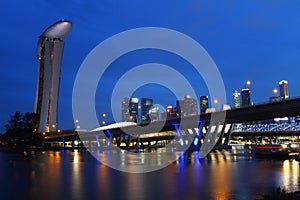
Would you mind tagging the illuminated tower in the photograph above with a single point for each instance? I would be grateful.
(283, 89)
(146, 106)
(186, 107)
(49, 54)
(203, 103)
(125, 110)
(134, 109)
(246, 97)
(236, 98)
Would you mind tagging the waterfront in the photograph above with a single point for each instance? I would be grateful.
(77, 175)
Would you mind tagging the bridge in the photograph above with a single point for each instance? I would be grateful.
(211, 128)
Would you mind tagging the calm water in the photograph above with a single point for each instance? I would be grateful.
(77, 175)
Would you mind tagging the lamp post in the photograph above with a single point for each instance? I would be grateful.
(275, 91)
(103, 122)
(77, 126)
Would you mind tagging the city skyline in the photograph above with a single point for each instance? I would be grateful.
(254, 41)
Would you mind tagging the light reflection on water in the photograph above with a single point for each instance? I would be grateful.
(77, 175)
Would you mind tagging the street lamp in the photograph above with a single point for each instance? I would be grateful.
(275, 91)
(216, 101)
(248, 82)
(77, 124)
(103, 119)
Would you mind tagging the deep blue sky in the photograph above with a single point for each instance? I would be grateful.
(256, 40)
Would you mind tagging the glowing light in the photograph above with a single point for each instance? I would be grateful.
(104, 115)
(293, 145)
(275, 91)
(196, 141)
(78, 127)
(248, 82)
(76, 121)
(58, 130)
(216, 101)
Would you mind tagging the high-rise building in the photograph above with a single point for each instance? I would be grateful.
(49, 54)
(146, 106)
(236, 98)
(283, 89)
(203, 103)
(133, 109)
(246, 101)
(125, 110)
(154, 113)
(188, 106)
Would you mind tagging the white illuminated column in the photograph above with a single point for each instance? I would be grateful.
(49, 54)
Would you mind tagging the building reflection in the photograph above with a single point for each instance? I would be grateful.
(77, 176)
(221, 177)
(290, 174)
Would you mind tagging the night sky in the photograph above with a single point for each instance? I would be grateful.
(255, 40)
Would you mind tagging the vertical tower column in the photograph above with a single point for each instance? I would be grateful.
(49, 53)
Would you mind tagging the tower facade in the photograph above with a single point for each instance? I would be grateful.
(49, 54)
(203, 103)
(236, 98)
(146, 106)
(125, 110)
(133, 109)
(186, 107)
(246, 101)
(283, 89)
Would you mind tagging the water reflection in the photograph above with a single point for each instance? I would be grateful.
(77, 175)
(290, 174)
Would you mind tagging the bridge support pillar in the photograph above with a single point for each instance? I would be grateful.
(110, 137)
(227, 139)
(181, 141)
(220, 140)
(199, 134)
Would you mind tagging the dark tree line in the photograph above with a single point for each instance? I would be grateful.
(21, 130)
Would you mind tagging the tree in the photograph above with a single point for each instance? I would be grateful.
(15, 123)
(21, 130)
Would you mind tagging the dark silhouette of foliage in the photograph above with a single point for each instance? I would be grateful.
(21, 130)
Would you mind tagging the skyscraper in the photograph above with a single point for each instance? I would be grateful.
(133, 109)
(246, 97)
(49, 54)
(283, 89)
(203, 103)
(154, 113)
(146, 106)
(125, 110)
(236, 98)
(188, 106)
